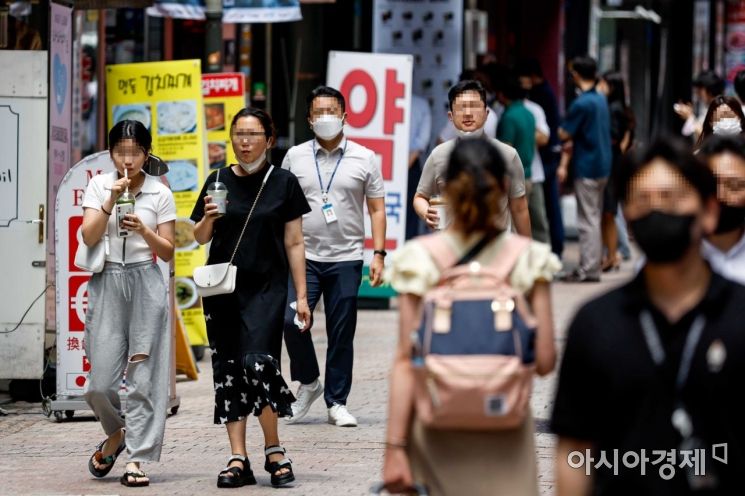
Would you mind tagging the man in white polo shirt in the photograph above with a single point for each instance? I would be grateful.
(468, 112)
(338, 177)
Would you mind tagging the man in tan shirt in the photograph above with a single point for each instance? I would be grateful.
(468, 112)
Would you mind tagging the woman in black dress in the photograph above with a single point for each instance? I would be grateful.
(245, 327)
(622, 126)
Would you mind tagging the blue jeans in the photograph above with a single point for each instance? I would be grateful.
(553, 207)
(339, 284)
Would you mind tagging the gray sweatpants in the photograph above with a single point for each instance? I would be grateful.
(127, 316)
(589, 194)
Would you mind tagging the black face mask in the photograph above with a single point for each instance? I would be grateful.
(664, 238)
(730, 218)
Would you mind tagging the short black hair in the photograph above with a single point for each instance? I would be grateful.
(326, 91)
(130, 129)
(463, 86)
(585, 66)
(710, 81)
(716, 145)
(739, 84)
(266, 120)
(512, 89)
(678, 156)
(528, 67)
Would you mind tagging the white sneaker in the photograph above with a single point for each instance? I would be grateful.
(306, 395)
(340, 416)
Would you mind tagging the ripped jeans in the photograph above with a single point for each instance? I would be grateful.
(126, 327)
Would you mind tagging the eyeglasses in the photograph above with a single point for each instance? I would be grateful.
(252, 136)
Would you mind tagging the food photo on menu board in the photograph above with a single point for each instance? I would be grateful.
(217, 154)
(179, 117)
(133, 112)
(183, 175)
(215, 116)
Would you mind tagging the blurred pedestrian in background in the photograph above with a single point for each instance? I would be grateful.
(587, 127)
(419, 136)
(724, 117)
(461, 461)
(725, 247)
(622, 125)
(539, 91)
(707, 86)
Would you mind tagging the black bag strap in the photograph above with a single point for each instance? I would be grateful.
(477, 248)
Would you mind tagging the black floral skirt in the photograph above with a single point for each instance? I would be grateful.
(248, 386)
(245, 334)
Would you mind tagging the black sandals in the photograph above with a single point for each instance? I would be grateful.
(104, 460)
(235, 476)
(139, 474)
(274, 467)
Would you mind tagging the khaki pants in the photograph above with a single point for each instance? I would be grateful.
(589, 194)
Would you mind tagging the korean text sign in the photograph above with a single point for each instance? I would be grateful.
(224, 97)
(377, 89)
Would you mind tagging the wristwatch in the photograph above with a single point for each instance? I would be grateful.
(382, 253)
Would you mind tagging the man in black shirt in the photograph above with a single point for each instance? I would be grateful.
(647, 401)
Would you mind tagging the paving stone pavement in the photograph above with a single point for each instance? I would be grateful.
(42, 457)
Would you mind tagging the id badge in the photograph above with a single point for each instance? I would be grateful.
(328, 213)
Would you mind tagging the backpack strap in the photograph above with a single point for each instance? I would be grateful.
(508, 255)
(440, 250)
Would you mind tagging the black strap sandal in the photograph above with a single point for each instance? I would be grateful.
(274, 467)
(104, 460)
(139, 474)
(235, 476)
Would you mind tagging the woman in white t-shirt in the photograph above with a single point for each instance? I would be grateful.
(126, 319)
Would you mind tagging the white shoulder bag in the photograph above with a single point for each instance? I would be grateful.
(220, 278)
(92, 259)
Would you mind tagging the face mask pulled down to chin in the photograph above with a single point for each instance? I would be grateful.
(663, 237)
(476, 133)
(327, 127)
(251, 167)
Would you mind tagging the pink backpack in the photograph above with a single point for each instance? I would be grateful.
(474, 352)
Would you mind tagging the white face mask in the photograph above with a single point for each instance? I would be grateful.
(470, 134)
(251, 167)
(327, 126)
(727, 126)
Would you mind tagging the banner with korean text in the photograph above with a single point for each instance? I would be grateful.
(167, 98)
(377, 88)
(224, 96)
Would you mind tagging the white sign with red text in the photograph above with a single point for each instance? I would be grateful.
(377, 88)
(71, 282)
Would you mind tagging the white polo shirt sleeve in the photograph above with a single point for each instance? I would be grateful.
(374, 181)
(166, 207)
(95, 194)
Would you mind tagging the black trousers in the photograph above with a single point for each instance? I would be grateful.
(413, 222)
(338, 283)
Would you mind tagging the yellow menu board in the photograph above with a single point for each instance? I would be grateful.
(224, 97)
(167, 98)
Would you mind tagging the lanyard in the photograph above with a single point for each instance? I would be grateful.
(325, 194)
(680, 419)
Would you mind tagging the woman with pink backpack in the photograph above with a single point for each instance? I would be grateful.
(475, 326)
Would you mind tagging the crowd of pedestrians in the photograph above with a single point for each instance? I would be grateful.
(648, 367)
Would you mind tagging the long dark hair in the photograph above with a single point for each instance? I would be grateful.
(708, 128)
(616, 87)
(475, 184)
